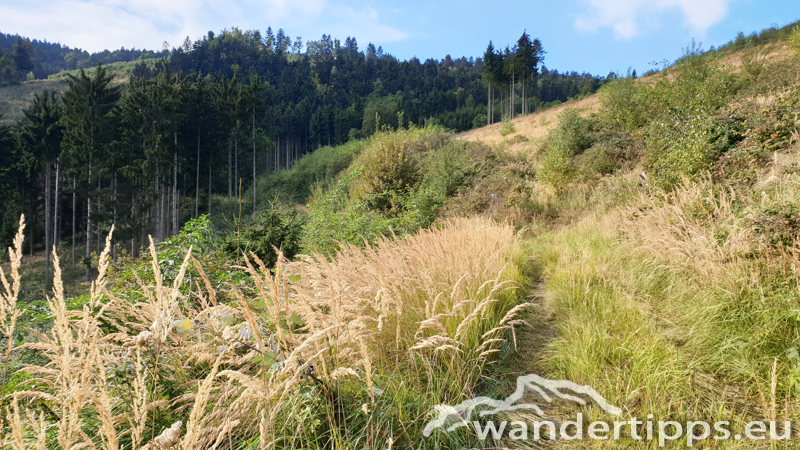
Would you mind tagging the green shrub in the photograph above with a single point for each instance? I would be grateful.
(274, 227)
(572, 133)
(390, 164)
(507, 127)
(448, 168)
(753, 62)
(596, 160)
(558, 170)
(676, 149)
(479, 121)
(335, 217)
(396, 185)
(624, 104)
(700, 88)
(794, 40)
(570, 138)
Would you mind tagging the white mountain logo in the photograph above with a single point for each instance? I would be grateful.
(461, 414)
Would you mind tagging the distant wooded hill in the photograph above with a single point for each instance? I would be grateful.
(22, 58)
(208, 117)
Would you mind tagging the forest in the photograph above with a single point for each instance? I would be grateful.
(206, 120)
(32, 59)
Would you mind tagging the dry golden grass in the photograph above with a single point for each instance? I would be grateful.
(774, 53)
(695, 296)
(434, 308)
(535, 127)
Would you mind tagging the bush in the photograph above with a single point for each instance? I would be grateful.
(448, 168)
(479, 121)
(794, 40)
(390, 166)
(570, 138)
(680, 148)
(595, 161)
(753, 62)
(386, 192)
(507, 128)
(558, 170)
(624, 104)
(335, 218)
(274, 227)
(572, 133)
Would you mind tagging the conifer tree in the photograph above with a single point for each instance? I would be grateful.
(89, 130)
(40, 139)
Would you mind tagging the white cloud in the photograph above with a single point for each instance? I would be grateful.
(627, 17)
(363, 24)
(96, 25)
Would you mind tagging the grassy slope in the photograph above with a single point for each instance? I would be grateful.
(120, 71)
(13, 99)
(534, 127)
(662, 308)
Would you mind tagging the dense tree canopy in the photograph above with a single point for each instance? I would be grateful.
(207, 118)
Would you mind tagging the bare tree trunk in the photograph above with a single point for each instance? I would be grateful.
(167, 209)
(524, 101)
(57, 218)
(97, 227)
(89, 224)
(134, 223)
(502, 103)
(489, 106)
(114, 222)
(197, 186)
(230, 169)
(164, 206)
(47, 222)
(74, 210)
(157, 197)
(254, 161)
(159, 210)
(175, 198)
(209, 186)
(236, 184)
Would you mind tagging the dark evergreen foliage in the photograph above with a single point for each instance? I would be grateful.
(216, 113)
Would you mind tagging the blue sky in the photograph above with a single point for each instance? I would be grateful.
(598, 36)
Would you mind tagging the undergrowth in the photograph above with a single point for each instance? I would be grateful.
(348, 353)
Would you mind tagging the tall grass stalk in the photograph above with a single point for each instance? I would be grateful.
(9, 313)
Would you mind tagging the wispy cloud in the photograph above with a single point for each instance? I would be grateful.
(108, 24)
(364, 23)
(627, 17)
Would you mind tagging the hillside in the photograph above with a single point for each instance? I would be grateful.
(41, 58)
(533, 128)
(15, 98)
(676, 287)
